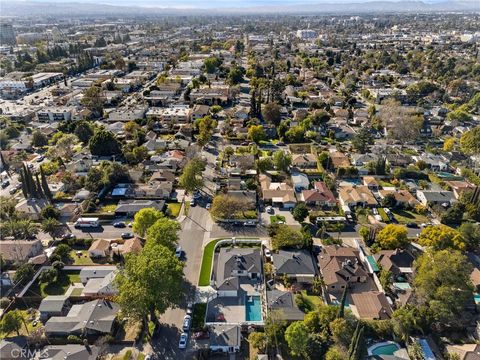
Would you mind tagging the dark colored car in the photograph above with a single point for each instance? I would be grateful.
(412, 225)
(199, 335)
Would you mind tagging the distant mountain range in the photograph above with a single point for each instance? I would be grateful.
(147, 7)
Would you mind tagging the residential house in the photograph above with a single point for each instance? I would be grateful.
(398, 262)
(464, 351)
(339, 160)
(341, 267)
(304, 161)
(440, 197)
(295, 264)
(434, 162)
(371, 183)
(70, 352)
(277, 194)
(402, 197)
(233, 264)
(363, 159)
(101, 287)
(131, 207)
(133, 245)
(95, 272)
(320, 195)
(352, 196)
(199, 111)
(225, 338)
(283, 303)
(459, 187)
(93, 318)
(54, 305)
(31, 208)
(19, 251)
(13, 348)
(371, 305)
(100, 248)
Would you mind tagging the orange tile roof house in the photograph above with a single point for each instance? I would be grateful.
(402, 197)
(341, 267)
(339, 160)
(356, 196)
(305, 161)
(277, 194)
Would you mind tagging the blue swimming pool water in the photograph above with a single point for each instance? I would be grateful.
(253, 308)
(387, 349)
(476, 298)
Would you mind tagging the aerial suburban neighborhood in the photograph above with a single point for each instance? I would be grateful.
(247, 183)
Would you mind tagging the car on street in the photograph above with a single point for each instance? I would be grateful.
(209, 206)
(127, 235)
(412, 225)
(187, 322)
(178, 252)
(268, 253)
(119, 224)
(250, 223)
(193, 203)
(269, 210)
(12, 191)
(5, 184)
(68, 236)
(189, 308)
(40, 158)
(197, 195)
(182, 344)
(30, 166)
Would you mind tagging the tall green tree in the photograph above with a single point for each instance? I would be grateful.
(104, 143)
(164, 232)
(191, 178)
(12, 322)
(281, 160)
(296, 336)
(150, 283)
(144, 220)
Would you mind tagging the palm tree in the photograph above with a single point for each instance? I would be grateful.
(51, 226)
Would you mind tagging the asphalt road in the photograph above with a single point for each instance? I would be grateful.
(193, 228)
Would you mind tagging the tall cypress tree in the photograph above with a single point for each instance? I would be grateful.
(5, 165)
(353, 342)
(341, 311)
(39, 186)
(26, 181)
(359, 350)
(24, 184)
(31, 184)
(45, 188)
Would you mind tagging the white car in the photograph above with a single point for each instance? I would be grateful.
(270, 210)
(178, 252)
(187, 322)
(182, 344)
(268, 253)
(208, 206)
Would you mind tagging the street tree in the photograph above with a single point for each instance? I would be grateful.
(441, 237)
(228, 207)
(286, 237)
(300, 212)
(164, 232)
(271, 113)
(392, 237)
(150, 283)
(191, 178)
(256, 133)
(144, 219)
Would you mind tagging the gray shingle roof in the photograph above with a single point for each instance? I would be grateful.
(294, 262)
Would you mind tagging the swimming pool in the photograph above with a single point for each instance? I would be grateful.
(476, 297)
(383, 348)
(253, 308)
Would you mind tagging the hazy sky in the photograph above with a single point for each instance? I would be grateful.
(213, 3)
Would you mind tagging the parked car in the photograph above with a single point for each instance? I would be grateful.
(12, 191)
(187, 322)
(208, 207)
(182, 344)
(193, 203)
(178, 252)
(119, 224)
(250, 223)
(268, 253)
(127, 235)
(375, 211)
(40, 158)
(68, 236)
(5, 184)
(412, 225)
(269, 210)
(197, 195)
(189, 308)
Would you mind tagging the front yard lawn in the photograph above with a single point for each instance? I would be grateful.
(383, 183)
(404, 217)
(384, 215)
(64, 279)
(205, 271)
(307, 303)
(174, 209)
(277, 218)
(109, 208)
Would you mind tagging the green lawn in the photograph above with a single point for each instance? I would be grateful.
(59, 287)
(404, 217)
(277, 218)
(174, 209)
(205, 271)
(107, 208)
(309, 302)
(383, 183)
(84, 259)
(384, 216)
(29, 323)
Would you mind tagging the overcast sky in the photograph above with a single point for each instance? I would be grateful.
(216, 3)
